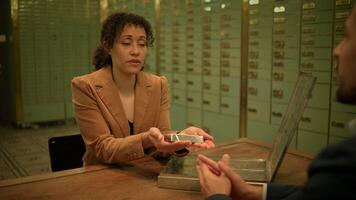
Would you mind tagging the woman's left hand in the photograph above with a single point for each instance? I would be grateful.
(208, 139)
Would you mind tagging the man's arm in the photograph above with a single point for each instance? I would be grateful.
(219, 197)
(280, 191)
(332, 175)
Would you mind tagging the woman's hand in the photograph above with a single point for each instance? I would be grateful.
(157, 139)
(208, 139)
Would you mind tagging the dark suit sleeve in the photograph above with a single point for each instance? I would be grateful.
(279, 191)
(332, 175)
(218, 197)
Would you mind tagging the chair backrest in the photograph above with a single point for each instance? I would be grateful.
(66, 152)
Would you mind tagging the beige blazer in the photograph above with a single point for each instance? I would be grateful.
(102, 120)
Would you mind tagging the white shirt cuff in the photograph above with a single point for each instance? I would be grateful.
(264, 191)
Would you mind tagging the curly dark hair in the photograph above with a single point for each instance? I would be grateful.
(114, 26)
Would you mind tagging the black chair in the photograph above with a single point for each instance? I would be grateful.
(66, 152)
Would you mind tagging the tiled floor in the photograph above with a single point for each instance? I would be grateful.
(24, 152)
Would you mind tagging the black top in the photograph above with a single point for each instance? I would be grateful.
(131, 128)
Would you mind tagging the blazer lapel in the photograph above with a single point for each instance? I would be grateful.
(143, 93)
(109, 94)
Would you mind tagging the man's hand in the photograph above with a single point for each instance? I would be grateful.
(212, 183)
(239, 188)
(208, 139)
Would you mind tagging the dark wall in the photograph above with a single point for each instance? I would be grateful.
(6, 101)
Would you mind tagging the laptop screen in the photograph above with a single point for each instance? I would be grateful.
(290, 121)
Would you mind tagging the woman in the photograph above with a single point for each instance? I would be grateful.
(121, 110)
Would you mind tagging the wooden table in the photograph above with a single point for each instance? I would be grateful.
(127, 182)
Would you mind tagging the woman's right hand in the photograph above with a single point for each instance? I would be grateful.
(157, 139)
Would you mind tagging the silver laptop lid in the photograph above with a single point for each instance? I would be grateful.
(290, 120)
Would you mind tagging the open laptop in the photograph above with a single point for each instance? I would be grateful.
(264, 170)
(251, 169)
